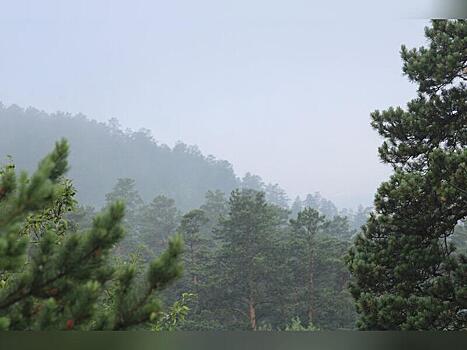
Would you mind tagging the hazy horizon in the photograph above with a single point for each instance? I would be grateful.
(283, 96)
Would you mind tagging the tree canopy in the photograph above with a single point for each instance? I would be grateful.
(407, 274)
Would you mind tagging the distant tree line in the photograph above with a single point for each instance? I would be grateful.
(104, 152)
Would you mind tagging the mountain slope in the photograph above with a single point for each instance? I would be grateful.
(102, 153)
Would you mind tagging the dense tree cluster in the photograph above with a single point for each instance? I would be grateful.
(247, 263)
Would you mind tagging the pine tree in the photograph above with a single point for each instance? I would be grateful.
(304, 230)
(339, 227)
(296, 207)
(252, 182)
(125, 191)
(361, 217)
(62, 279)
(323, 205)
(246, 257)
(406, 274)
(158, 222)
(277, 196)
(215, 206)
(315, 275)
(190, 230)
(334, 304)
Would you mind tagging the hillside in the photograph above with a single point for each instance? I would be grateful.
(103, 152)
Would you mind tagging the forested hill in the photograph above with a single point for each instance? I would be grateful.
(103, 152)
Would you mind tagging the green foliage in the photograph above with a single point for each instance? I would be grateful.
(304, 230)
(53, 217)
(255, 274)
(55, 278)
(316, 276)
(125, 191)
(247, 237)
(323, 205)
(195, 253)
(215, 207)
(406, 273)
(176, 315)
(296, 325)
(158, 221)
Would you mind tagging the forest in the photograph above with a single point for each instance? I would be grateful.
(112, 230)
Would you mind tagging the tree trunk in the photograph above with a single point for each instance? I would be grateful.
(310, 287)
(194, 278)
(252, 313)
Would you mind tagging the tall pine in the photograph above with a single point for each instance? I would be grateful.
(406, 273)
(308, 224)
(247, 238)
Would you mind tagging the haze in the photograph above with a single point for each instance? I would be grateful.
(276, 92)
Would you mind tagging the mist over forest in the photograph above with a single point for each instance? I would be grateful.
(170, 190)
(106, 228)
(102, 153)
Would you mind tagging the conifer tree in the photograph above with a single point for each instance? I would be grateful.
(339, 227)
(276, 195)
(63, 280)
(296, 207)
(304, 230)
(125, 191)
(158, 222)
(196, 245)
(405, 272)
(214, 206)
(247, 238)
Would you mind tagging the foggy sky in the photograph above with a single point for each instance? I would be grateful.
(281, 91)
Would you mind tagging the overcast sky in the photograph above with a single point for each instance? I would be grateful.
(283, 91)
